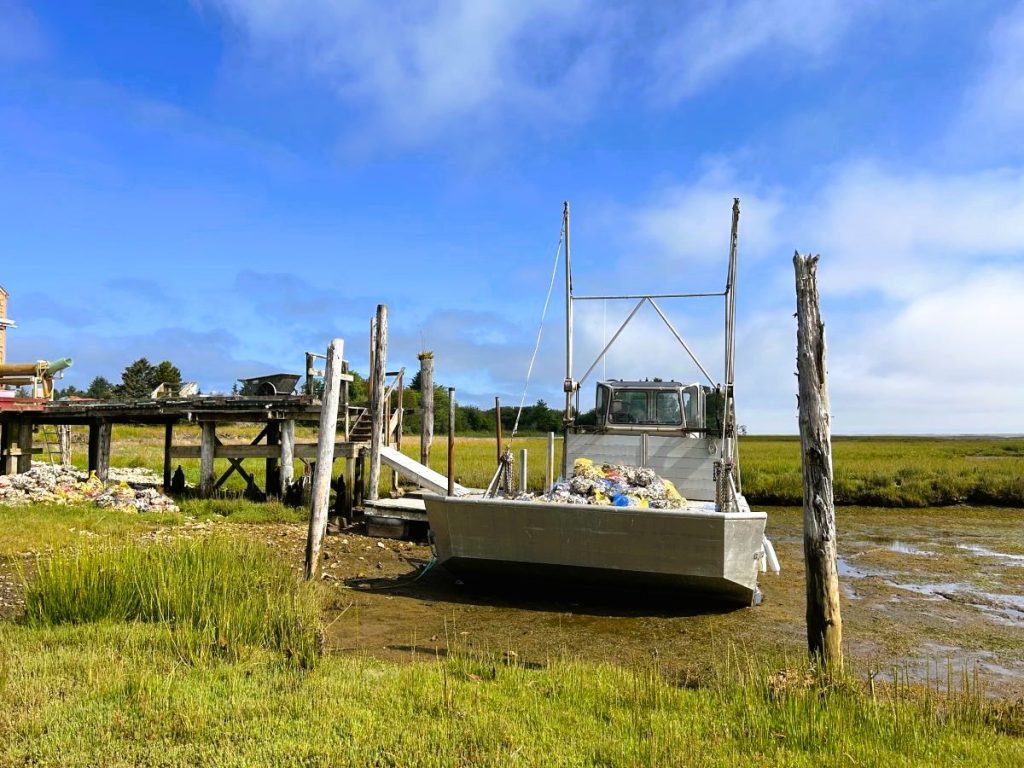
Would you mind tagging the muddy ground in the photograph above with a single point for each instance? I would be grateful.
(927, 592)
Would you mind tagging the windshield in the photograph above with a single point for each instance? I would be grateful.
(637, 406)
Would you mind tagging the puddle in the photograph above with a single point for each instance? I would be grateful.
(847, 571)
(1007, 558)
(907, 549)
(1003, 608)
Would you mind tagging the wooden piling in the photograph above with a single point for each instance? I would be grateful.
(273, 463)
(25, 447)
(321, 493)
(7, 462)
(451, 441)
(168, 444)
(497, 429)
(524, 473)
(549, 465)
(824, 621)
(207, 446)
(64, 443)
(426, 406)
(287, 453)
(380, 353)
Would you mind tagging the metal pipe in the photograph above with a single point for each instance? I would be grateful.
(609, 344)
(451, 441)
(651, 296)
(680, 340)
(568, 384)
(57, 366)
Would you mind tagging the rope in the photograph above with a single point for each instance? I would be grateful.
(540, 333)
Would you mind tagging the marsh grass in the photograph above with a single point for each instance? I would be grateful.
(216, 596)
(115, 695)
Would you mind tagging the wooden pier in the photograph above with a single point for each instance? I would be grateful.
(275, 444)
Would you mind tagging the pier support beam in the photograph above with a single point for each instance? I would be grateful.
(99, 449)
(273, 473)
(377, 404)
(324, 458)
(287, 453)
(168, 444)
(207, 446)
(426, 406)
(824, 621)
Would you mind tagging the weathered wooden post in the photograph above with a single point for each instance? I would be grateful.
(524, 474)
(497, 429)
(273, 463)
(321, 493)
(824, 622)
(549, 466)
(426, 405)
(451, 441)
(380, 353)
(64, 441)
(25, 447)
(168, 444)
(207, 447)
(287, 453)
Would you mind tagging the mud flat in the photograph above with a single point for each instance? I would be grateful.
(929, 592)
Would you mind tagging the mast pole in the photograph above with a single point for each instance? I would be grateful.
(728, 415)
(568, 384)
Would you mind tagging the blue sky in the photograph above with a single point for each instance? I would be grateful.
(229, 183)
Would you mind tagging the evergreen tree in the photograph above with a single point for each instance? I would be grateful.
(100, 389)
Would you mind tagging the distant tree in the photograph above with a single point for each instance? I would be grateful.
(235, 389)
(67, 393)
(140, 378)
(100, 389)
(165, 373)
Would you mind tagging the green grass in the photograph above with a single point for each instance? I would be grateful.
(892, 472)
(216, 597)
(116, 695)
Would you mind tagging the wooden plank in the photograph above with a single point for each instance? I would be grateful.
(321, 491)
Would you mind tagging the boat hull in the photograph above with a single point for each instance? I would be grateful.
(700, 551)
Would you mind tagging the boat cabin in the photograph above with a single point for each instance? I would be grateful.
(655, 405)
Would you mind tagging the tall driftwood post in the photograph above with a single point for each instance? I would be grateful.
(451, 441)
(426, 405)
(380, 355)
(824, 622)
(321, 492)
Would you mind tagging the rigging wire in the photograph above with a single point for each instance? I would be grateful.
(540, 333)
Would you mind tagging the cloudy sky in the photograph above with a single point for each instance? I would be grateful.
(228, 183)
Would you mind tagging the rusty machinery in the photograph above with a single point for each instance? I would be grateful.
(38, 375)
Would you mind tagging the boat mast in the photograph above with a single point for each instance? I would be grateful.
(728, 414)
(568, 385)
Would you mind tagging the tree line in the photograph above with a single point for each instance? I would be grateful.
(138, 380)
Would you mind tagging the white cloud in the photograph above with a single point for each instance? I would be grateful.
(714, 40)
(422, 68)
(690, 223)
(992, 116)
(907, 234)
(922, 275)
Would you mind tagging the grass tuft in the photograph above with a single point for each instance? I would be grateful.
(217, 597)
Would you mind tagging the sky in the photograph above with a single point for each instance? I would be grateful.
(229, 183)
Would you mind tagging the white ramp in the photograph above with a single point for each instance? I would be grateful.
(411, 469)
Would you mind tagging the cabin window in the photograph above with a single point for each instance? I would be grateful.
(628, 407)
(667, 411)
(602, 404)
(691, 408)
